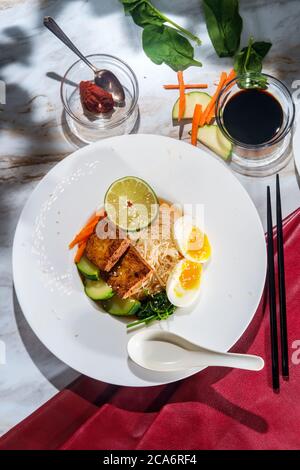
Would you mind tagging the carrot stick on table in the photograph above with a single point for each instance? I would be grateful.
(181, 95)
(210, 109)
(186, 86)
(80, 251)
(195, 123)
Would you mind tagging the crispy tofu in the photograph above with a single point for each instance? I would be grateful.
(129, 274)
(106, 252)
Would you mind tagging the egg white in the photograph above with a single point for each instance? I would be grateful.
(176, 294)
(181, 232)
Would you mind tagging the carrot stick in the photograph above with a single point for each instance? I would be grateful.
(86, 230)
(209, 112)
(195, 123)
(186, 87)
(231, 76)
(181, 95)
(80, 251)
(84, 235)
(92, 218)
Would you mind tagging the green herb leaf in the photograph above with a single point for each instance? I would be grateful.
(163, 44)
(250, 61)
(261, 48)
(144, 14)
(250, 58)
(130, 4)
(224, 25)
(155, 307)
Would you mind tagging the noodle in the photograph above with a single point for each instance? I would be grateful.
(157, 246)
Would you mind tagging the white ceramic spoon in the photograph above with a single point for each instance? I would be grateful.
(163, 351)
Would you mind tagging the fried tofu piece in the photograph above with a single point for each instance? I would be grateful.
(106, 252)
(129, 274)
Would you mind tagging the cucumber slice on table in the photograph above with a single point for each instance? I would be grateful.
(191, 99)
(118, 306)
(88, 269)
(212, 137)
(98, 290)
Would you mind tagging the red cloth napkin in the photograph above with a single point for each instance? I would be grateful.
(215, 409)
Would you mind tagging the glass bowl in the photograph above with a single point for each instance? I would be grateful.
(269, 157)
(92, 128)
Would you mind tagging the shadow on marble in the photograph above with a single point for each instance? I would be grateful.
(54, 370)
(97, 8)
(107, 7)
(16, 47)
(17, 117)
(59, 78)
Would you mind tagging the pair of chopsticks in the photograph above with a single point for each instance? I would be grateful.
(272, 289)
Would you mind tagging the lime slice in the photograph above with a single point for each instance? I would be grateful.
(131, 203)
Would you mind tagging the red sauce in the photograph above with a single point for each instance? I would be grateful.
(94, 98)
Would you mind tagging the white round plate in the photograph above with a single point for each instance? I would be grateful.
(48, 286)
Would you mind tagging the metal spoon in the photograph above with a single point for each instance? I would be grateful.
(163, 351)
(103, 78)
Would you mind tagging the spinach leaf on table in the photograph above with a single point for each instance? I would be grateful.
(164, 44)
(144, 13)
(224, 25)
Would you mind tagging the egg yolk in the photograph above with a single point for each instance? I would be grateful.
(190, 275)
(198, 245)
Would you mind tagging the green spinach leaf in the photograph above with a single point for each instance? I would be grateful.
(163, 44)
(154, 307)
(224, 25)
(250, 61)
(145, 13)
(250, 58)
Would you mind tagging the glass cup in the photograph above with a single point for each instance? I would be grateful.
(269, 157)
(92, 128)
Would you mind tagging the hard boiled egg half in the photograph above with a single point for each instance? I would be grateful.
(183, 286)
(191, 241)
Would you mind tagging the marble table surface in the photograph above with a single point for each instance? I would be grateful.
(33, 140)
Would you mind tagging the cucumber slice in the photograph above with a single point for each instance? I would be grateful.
(191, 99)
(88, 269)
(118, 306)
(98, 290)
(212, 137)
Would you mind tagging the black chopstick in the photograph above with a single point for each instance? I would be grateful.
(281, 284)
(272, 294)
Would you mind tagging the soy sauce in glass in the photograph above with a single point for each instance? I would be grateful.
(253, 116)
